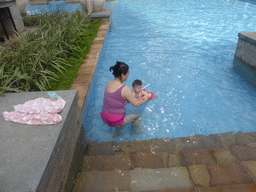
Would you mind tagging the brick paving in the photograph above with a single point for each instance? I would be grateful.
(215, 163)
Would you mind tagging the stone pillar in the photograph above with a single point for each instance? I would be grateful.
(38, 2)
(91, 6)
(15, 13)
(72, 1)
(22, 6)
(245, 57)
(99, 5)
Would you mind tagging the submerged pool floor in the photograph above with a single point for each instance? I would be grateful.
(184, 50)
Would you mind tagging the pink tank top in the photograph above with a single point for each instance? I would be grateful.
(114, 103)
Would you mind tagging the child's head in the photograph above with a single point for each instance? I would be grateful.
(137, 85)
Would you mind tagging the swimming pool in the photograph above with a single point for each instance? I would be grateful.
(184, 50)
(54, 6)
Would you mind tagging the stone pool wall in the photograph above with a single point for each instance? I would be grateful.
(245, 57)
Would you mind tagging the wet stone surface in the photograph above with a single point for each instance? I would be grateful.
(174, 160)
(251, 168)
(157, 179)
(146, 160)
(244, 153)
(228, 174)
(224, 156)
(200, 175)
(200, 156)
(103, 181)
(228, 139)
(107, 162)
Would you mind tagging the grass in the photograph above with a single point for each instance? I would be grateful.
(50, 58)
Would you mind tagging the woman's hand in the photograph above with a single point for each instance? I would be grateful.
(127, 94)
(144, 95)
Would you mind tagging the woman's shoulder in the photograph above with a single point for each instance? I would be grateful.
(126, 89)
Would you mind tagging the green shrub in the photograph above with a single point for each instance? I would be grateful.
(49, 58)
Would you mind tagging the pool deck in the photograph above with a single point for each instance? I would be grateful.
(220, 163)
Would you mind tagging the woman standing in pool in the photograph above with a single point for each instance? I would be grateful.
(116, 97)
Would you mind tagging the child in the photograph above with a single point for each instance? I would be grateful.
(137, 90)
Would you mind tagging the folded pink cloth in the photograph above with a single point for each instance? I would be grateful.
(39, 111)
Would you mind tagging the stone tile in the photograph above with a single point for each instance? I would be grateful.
(245, 139)
(240, 188)
(86, 70)
(195, 142)
(153, 145)
(102, 33)
(96, 46)
(174, 160)
(81, 89)
(107, 162)
(190, 189)
(99, 41)
(250, 168)
(211, 141)
(184, 143)
(208, 189)
(107, 148)
(228, 174)
(244, 153)
(165, 159)
(99, 181)
(200, 156)
(84, 80)
(80, 103)
(92, 56)
(134, 146)
(104, 27)
(99, 38)
(95, 51)
(146, 160)
(160, 179)
(91, 62)
(103, 148)
(224, 156)
(228, 139)
(199, 175)
(161, 145)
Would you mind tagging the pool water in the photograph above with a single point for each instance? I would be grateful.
(54, 6)
(184, 49)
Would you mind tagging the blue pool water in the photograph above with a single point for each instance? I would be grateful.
(54, 6)
(184, 49)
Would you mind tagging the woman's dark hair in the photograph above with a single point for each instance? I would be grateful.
(136, 82)
(119, 68)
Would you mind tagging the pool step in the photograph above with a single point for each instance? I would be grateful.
(137, 166)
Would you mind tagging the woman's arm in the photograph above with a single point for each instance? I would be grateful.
(127, 94)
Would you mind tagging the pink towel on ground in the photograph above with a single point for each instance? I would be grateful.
(39, 111)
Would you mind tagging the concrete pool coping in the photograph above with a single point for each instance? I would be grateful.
(40, 157)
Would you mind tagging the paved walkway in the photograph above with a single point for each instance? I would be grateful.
(215, 163)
